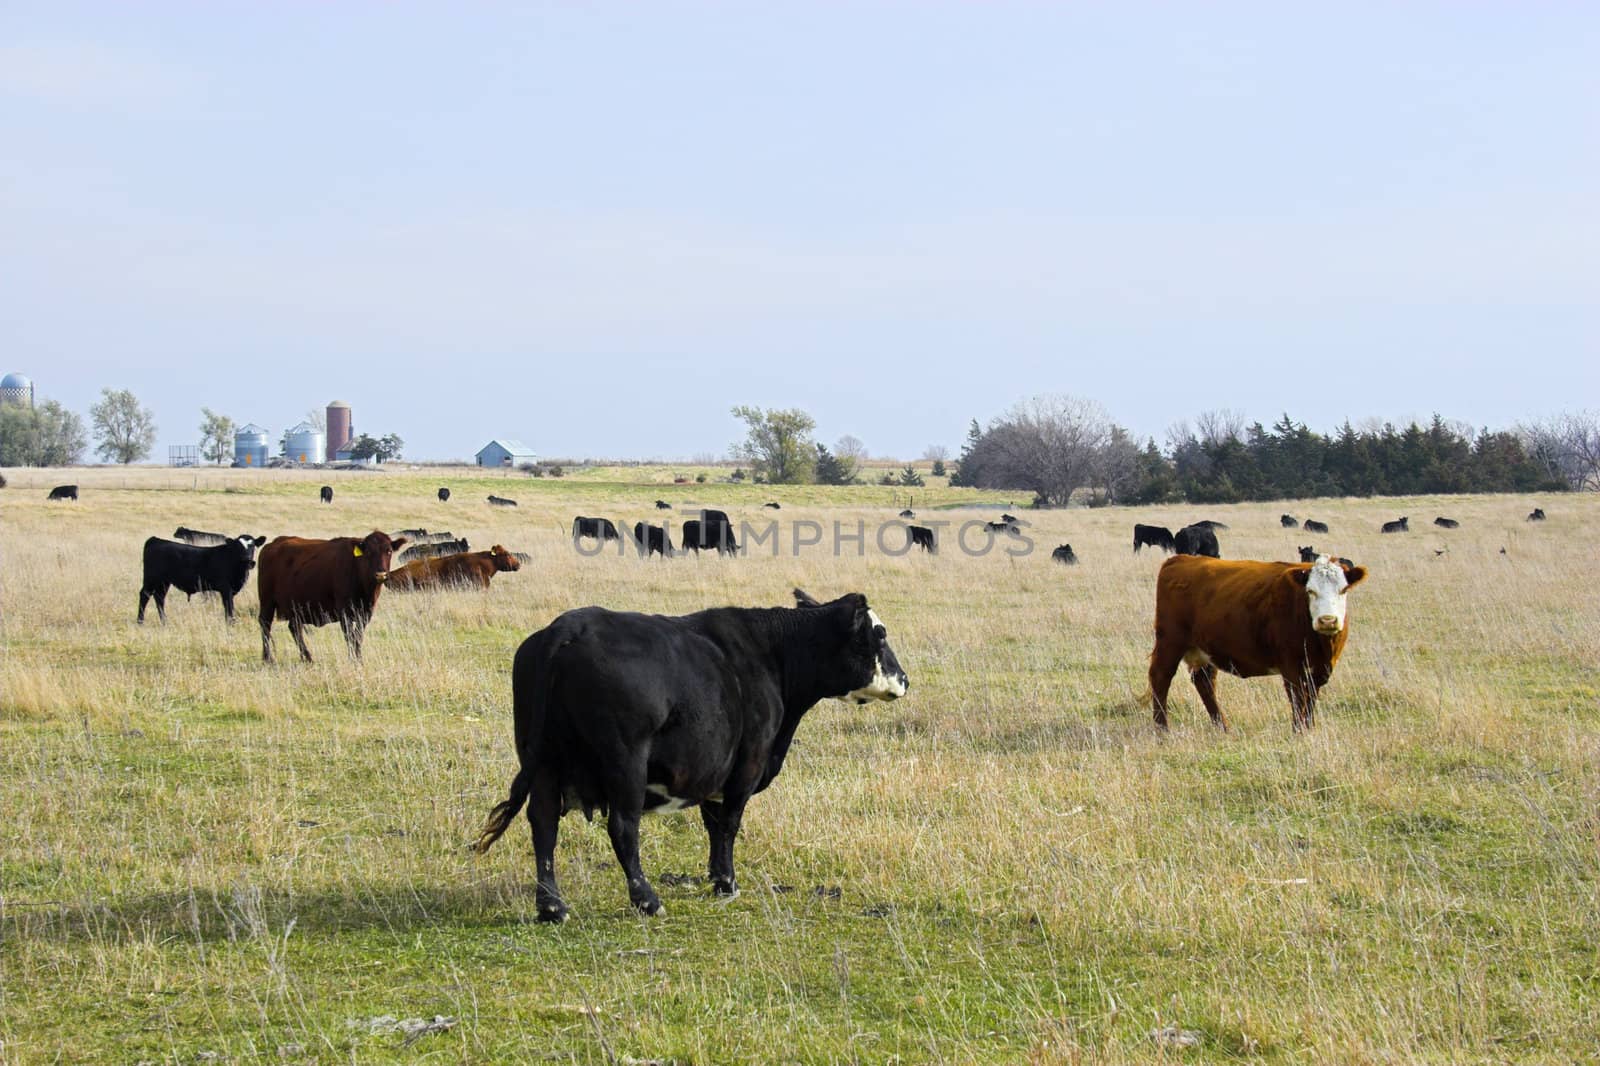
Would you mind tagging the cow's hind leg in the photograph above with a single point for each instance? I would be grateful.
(266, 634)
(544, 816)
(1205, 683)
(297, 629)
(626, 801)
(1164, 662)
(144, 600)
(722, 825)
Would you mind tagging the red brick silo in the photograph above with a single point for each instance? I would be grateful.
(338, 428)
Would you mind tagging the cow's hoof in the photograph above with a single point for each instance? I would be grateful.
(727, 889)
(650, 908)
(552, 912)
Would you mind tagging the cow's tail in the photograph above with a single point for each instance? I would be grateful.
(531, 677)
(501, 817)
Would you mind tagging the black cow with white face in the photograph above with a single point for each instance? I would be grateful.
(630, 714)
(223, 569)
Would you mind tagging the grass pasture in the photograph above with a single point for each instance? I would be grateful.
(208, 859)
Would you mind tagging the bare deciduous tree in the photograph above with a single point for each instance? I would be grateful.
(1568, 446)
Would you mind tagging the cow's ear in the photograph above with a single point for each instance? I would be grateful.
(1300, 577)
(1355, 575)
(802, 598)
(260, 541)
(397, 543)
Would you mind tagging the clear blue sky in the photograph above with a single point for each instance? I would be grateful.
(597, 226)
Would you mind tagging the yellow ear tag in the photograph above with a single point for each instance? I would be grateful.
(358, 551)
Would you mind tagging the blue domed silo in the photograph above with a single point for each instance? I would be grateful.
(250, 446)
(16, 388)
(303, 444)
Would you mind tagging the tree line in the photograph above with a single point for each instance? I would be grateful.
(1059, 446)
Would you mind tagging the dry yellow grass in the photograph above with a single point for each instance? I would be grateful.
(204, 854)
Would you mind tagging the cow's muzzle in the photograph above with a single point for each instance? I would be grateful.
(1328, 625)
(381, 575)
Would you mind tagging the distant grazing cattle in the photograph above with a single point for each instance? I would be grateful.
(1311, 525)
(200, 537)
(326, 494)
(1151, 536)
(1288, 521)
(1196, 540)
(1397, 526)
(444, 495)
(922, 537)
(438, 536)
(431, 549)
(501, 501)
(1250, 619)
(652, 540)
(412, 535)
(1207, 523)
(1009, 519)
(1065, 554)
(1446, 523)
(1308, 554)
(598, 528)
(1535, 515)
(774, 506)
(70, 492)
(908, 513)
(663, 505)
(462, 568)
(1002, 527)
(712, 529)
(633, 713)
(221, 568)
(315, 582)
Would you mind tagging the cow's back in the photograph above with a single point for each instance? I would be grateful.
(298, 573)
(1242, 611)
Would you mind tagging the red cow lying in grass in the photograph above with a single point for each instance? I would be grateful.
(1250, 618)
(314, 582)
(465, 568)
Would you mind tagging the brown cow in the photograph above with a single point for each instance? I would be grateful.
(1250, 619)
(465, 568)
(314, 582)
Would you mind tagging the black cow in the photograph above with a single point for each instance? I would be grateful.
(436, 537)
(774, 506)
(908, 513)
(663, 505)
(922, 537)
(70, 492)
(1001, 527)
(1397, 526)
(1196, 540)
(1207, 523)
(501, 501)
(1308, 554)
(652, 540)
(1152, 536)
(1009, 519)
(430, 549)
(712, 529)
(411, 534)
(1065, 554)
(628, 713)
(222, 569)
(1446, 523)
(1535, 515)
(1288, 521)
(598, 528)
(444, 495)
(326, 494)
(200, 537)
(1311, 525)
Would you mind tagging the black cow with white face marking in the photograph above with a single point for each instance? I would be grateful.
(633, 713)
(223, 569)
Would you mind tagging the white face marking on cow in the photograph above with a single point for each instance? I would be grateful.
(1325, 590)
(884, 685)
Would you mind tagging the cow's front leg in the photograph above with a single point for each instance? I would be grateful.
(722, 825)
(353, 627)
(1302, 701)
(227, 606)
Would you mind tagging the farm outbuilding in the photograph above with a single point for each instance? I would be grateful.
(504, 452)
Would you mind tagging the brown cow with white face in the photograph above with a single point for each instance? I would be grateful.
(315, 582)
(1250, 619)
